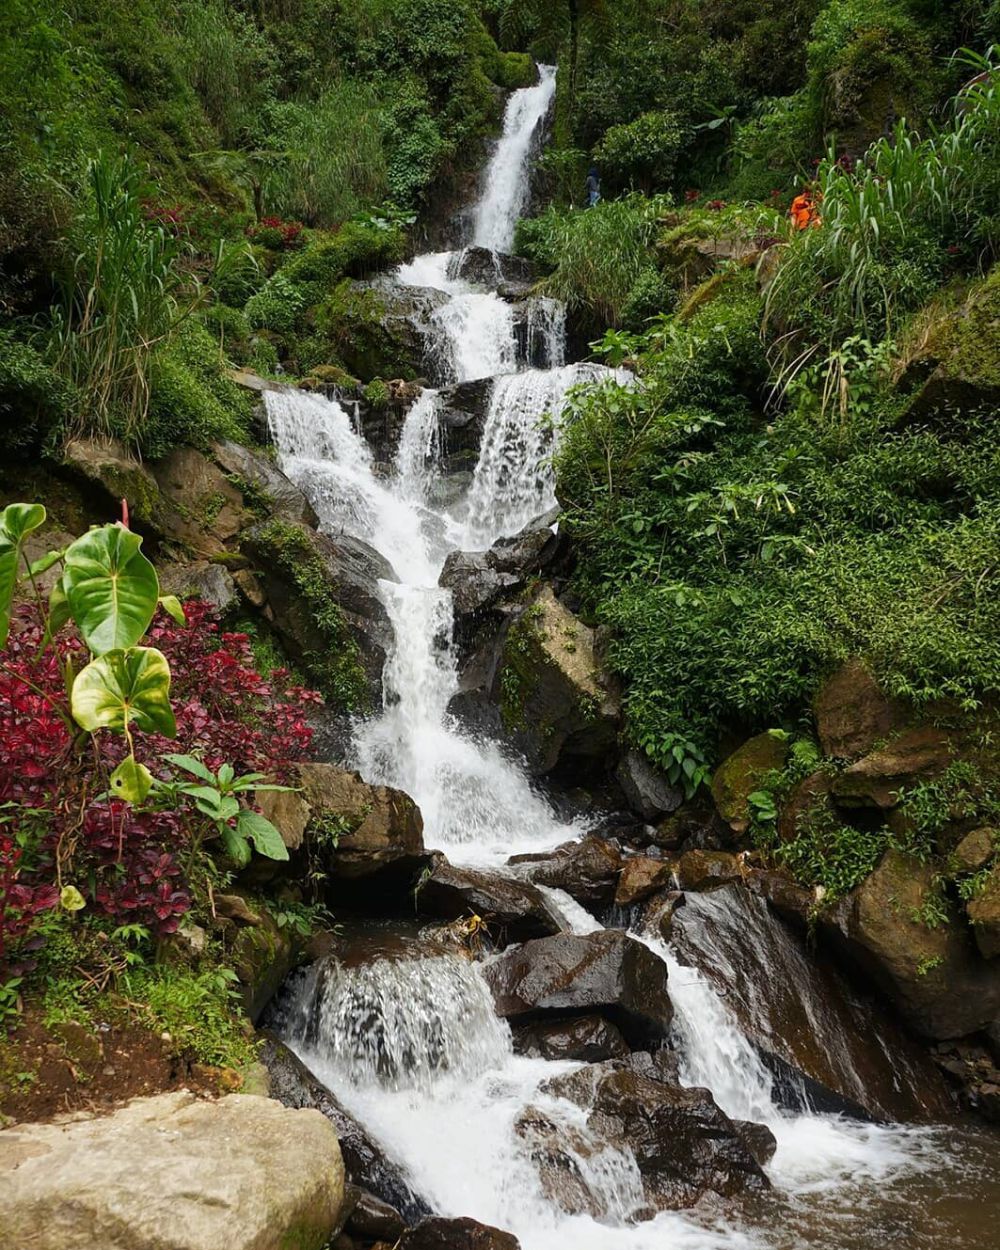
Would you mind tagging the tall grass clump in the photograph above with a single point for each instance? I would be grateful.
(124, 293)
(891, 223)
(597, 255)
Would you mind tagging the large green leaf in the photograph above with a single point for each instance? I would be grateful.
(125, 686)
(131, 781)
(262, 834)
(17, 520)
(111, 587)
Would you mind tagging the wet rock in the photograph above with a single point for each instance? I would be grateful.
(852, 713)
(641, 877)
(703, 870)
(758, 1139)
(984, 912)
(826, 1044)
(562, 1155)
(375, 1220)
(513, 910)
(365, 1162)
(462, 412)
(933, 973)
(605, 972)
(586, 870)
(212, 583)
(737, 777)
(478, 579)
(587, 1039)
(240, 1171)
(493, 269)
(877, 779)
(381, 329)
(462, 1234)
(790, 900)
(359, 830)
(262, 484)
(647, 790)
(976, 850)
(324, 604)
(683, 1144)
(556, 699)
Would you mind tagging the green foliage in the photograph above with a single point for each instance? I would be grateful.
(643, 153)
(33, 400)
(199, 1011)
(598, 256)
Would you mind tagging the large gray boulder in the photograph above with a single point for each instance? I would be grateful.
(173, 1173)
(514, 911)
(556, 698)
(607, 973)
(324, 605)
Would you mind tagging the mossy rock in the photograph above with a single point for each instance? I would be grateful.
(740, 775)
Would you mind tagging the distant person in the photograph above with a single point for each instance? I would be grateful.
(593, 187)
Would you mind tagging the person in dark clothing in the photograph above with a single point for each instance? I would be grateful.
(593, 187)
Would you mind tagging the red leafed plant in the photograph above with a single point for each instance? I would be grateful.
(57, 824)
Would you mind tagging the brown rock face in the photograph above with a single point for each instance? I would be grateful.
(684, 1145)
(607, 972)
(701, 870)
(587, 1039)
(976, 849)
(642, 876)
(368, 828)
(877, 779)
(852, 713)
(933, 974)
(586, 870)
(984, 912)
(514, 911)
(464, 1234)
(737, 777)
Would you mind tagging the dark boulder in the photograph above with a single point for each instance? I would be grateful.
(647, 790)
(640, 877)
(494, 269)
(852, 713)
(685, 1146)
(462, 412)
(462, 1234)
(366, 1164)
(878, 779)
(587, 1039)
(571, 974)
(704, 870)
(513, 910)
(587, 870)
(375, 1220)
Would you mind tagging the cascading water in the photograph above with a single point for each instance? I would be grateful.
(411, 1046)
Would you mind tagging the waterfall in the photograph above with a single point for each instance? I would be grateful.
(506, 187)
(411, 1045)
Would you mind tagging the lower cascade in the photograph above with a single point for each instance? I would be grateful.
(410, 1043)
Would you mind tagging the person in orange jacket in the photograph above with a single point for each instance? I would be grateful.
(804, 211)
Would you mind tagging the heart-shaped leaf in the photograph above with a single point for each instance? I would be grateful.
(262, 834)
(59, 613)
(131, 781)
(70, 899)
(111, 587)
(125, 686)
(16, 521)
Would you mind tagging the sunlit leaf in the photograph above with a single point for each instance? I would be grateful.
(70, 899)
(131, 781)
(172, 606)
(125, 686)
(265, 837)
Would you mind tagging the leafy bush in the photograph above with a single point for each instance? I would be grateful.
(596, 255)
(644, 152)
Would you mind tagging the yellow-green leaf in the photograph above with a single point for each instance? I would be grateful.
(131, 781)
(172, 606)
(70, 899)
(125, 686)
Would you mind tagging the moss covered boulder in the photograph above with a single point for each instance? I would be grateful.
(852, 713)
(557, 700)
(901, 929)
(324, 605)
(741, 774)
(960, 361)
(984, 912)
(379, 331)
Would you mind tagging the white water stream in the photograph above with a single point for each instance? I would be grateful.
(411, 1046)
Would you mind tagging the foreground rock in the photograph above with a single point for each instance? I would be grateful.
(741, 773)
(931, 971)
(556, 699)
(173, 1173)
(514, 911)
(571, 974)
(683, 1144)
(462, 1234)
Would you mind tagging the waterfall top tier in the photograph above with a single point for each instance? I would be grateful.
(506, 188)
